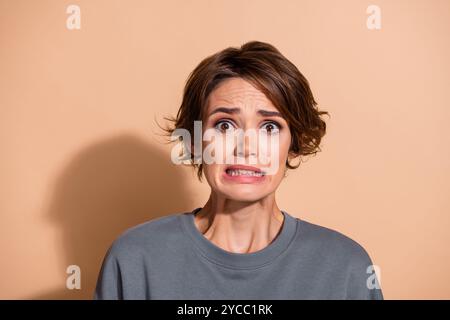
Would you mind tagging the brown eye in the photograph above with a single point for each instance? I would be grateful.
(224, 126)
(271, 127)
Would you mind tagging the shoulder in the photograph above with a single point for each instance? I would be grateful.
(148, 236)
(333, 254)
(332, 245)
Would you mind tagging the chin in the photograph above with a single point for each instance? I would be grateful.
(243, 198)
(245, 193)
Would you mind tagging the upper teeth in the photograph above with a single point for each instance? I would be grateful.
(243, 172)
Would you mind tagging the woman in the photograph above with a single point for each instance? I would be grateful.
(240, 244)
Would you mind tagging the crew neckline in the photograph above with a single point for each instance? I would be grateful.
(241, 260)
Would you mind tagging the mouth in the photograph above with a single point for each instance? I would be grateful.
(244, 171)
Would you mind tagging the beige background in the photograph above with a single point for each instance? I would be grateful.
(81, 161)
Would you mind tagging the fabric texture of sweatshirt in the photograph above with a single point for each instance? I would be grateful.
(168, 258)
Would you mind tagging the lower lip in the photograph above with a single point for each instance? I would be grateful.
(243, 178)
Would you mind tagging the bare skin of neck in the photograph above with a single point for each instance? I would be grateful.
(240, 227)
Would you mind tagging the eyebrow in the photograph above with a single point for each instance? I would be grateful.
(264, 113)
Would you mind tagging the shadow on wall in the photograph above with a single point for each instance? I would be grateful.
(107, 188)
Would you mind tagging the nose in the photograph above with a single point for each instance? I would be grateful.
(246, 145)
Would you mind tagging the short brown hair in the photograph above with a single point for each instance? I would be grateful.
(274, 75)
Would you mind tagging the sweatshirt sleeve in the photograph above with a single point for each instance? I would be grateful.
(109, 282)
(363, 283)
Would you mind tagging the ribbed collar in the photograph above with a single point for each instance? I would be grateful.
(240, 260)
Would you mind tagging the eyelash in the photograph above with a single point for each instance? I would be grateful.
(230, 121)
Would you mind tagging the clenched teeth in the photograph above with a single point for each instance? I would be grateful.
(244, 173)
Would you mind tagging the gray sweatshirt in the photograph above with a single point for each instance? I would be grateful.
(168, 258)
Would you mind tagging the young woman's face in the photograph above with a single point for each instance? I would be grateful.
(237, 104)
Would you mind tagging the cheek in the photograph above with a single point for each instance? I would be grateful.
(284, 147)
(212, 171)
(275, 152)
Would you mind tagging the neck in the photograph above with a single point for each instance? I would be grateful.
(240, 227)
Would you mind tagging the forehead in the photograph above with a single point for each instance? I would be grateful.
(238, 92)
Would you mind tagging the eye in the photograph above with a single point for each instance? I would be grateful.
(272, 127)
(224, 125)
